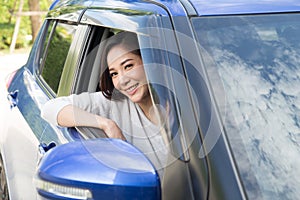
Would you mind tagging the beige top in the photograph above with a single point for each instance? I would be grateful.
(135, 126)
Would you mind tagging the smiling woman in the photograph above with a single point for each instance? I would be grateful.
(124, 72)
(124, 108)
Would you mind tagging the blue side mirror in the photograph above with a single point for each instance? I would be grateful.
(97, 169)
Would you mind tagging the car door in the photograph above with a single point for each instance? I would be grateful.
(45, 74)
(214, 147)
(164, 69)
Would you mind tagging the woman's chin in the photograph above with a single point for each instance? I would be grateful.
(135, 99)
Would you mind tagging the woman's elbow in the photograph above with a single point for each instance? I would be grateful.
(51, 109)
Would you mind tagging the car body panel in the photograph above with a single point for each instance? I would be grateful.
(18, 151)
(229, 7)
(20, 144)
(110, 164)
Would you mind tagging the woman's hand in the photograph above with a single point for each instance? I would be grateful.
(112, 130)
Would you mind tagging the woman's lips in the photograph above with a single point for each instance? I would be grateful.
(131, 90)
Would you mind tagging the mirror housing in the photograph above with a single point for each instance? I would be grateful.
(97, 169)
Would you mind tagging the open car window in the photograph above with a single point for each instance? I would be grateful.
(164, 97)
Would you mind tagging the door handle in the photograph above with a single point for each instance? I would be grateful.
(13, 98)
(43, 147)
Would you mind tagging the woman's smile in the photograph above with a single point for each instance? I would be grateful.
(132, 89)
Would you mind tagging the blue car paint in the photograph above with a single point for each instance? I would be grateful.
(231, 7)
(204, 8)
(30, 98)
(110, 164)
(54, 3)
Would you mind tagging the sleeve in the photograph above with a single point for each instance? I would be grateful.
(91, 102)
(51, 108)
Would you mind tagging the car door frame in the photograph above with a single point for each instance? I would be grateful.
(111, 19)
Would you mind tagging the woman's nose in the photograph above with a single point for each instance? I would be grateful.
(123, 80)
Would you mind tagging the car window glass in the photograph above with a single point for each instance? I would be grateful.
(55, 53)
(253, 65)
(42, 53)
(166, 79)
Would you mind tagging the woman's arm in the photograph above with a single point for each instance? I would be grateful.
(76, 110)
(71, 116)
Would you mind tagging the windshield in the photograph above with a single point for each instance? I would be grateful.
(253, 63)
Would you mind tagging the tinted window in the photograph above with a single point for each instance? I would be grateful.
(55, 53)
(254, 68)
(42, 53)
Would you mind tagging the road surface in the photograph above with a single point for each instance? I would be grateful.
(9, 63)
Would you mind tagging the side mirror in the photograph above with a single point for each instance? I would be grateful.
(97, 169)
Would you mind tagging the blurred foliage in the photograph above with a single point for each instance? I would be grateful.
(57, 54)
(8, 10)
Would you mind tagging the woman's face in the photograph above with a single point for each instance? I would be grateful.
(127, 72)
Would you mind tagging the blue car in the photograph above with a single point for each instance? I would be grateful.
(230, 70)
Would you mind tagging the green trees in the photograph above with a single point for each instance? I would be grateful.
(35, 19)
(29, 24)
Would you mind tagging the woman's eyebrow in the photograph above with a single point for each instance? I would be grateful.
(129, 59)
(111, 69)
(122, 63)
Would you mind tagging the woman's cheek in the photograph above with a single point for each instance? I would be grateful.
(116, 83)
(138, 74)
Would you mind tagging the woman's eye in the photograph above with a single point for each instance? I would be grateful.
(128, 66)
(113, 74)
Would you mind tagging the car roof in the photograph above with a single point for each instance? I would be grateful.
(199, 7)
(232, 7)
